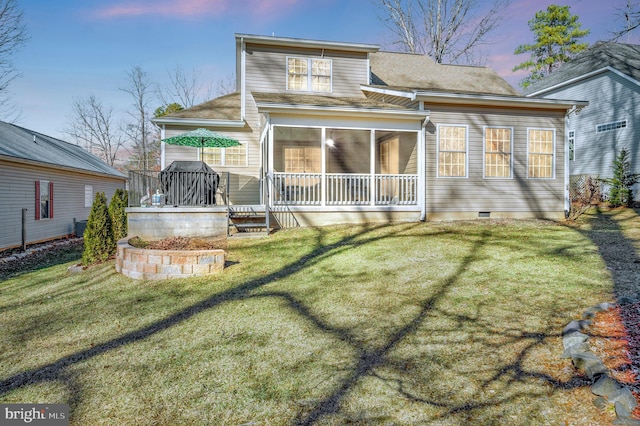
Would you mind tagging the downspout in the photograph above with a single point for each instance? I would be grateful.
(422, 174)
(243, 102)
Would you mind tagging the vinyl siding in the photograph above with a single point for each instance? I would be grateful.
(17, 191)
(474, 193)
(244, 181)
(611, 98)
(266, 69)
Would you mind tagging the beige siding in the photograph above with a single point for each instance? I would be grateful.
(473, 194)
(266, 69)
(17, 191)
(244, 181)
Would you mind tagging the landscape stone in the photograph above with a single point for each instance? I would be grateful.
(625, 397)
(574, 338)
(605, 386)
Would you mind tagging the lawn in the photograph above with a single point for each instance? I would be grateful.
(423, 323)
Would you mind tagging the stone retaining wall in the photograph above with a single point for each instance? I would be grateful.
(146, 264)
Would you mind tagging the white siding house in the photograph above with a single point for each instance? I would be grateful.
(341, 132)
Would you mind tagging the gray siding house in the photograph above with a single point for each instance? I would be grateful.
(52, 180)
(608, 76)
(340, 132)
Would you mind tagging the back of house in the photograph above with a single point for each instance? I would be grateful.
(338, 132)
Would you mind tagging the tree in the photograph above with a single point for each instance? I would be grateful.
(161, 111)
(557, 33)
(446, 30)
(183, 89)
(145, 140)
(118, 215)
(631, 17)
(92, 126)
(621, 184)
(99, 243)
(13, 35)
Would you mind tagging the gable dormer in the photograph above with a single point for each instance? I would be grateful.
(299, 66)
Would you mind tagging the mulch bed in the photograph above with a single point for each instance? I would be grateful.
(614, 336)
(181, 243)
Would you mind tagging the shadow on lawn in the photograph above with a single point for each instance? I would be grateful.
(617, 251)
(373, 360)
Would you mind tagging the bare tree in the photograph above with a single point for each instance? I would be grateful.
(185, 89)
(13, 35)
(92, 126)
(142, 134)
(631, 18)
(226, 85)
(448, 31)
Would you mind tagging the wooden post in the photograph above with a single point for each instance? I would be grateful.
(24, 229)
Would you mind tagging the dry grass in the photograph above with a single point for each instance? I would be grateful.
(436, 323)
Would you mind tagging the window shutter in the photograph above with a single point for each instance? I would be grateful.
(50, 200)
(37, 200)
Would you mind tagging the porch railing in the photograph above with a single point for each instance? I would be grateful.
(349, 189)
(143, 184)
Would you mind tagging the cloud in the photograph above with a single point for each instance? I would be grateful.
(183, 9)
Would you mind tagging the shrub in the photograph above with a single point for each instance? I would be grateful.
(99, 243)
(117, 213)
(620, 192)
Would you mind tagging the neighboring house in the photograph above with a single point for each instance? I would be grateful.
(340, 132)
(608, 76)
(53, 181)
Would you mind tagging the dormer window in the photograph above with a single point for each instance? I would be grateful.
(309, 74)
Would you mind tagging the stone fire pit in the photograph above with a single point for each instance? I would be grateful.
(154, 264)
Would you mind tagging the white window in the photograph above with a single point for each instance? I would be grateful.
(309, 74)
(498, 145)
(540, 153)
(607, 127)
(302, 159)
(452, 151)
(235, 156)
(572, 145)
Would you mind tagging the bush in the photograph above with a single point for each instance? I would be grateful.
(118, 215)
(620, 192)
(99, 243)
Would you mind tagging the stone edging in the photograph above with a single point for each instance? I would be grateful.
(609, 390)
(148, 264)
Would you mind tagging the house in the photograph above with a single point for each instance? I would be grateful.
(336, 132)
(46, 186)
(608, 76)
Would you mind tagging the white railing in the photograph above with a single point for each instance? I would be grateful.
(297, 188)
(396, 189)
(344, 189)
(348, 189)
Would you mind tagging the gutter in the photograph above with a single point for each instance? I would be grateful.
(198, 122)
(497, 100)
(325, 110)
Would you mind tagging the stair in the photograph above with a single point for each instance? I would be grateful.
(248, 221)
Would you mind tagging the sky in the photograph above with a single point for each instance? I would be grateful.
(79, 48)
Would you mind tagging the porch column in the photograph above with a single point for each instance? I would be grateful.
(323, 167)
(372, 166)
